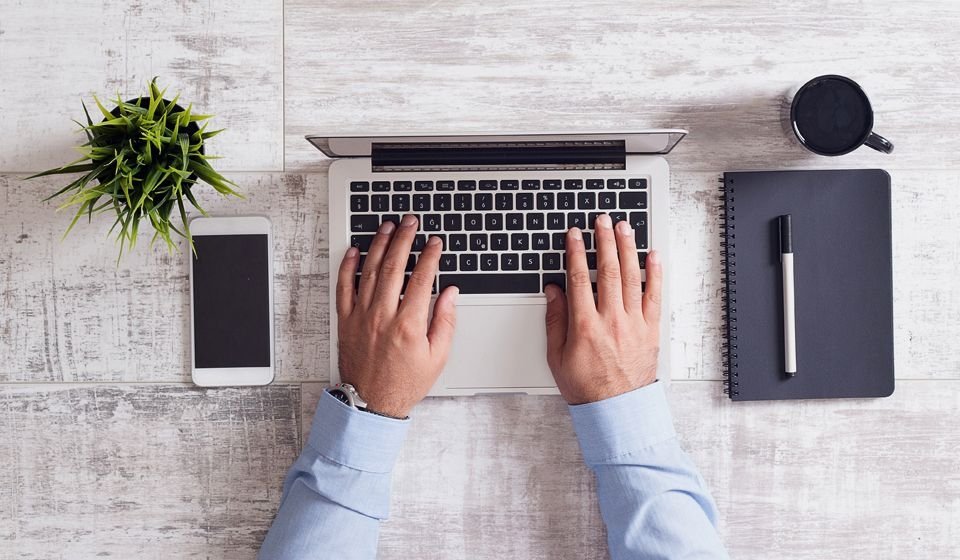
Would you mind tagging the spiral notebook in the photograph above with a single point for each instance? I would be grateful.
(843, 278)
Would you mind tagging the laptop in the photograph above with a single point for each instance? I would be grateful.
(502, 204)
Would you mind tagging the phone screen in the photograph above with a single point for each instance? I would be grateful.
(231, 301)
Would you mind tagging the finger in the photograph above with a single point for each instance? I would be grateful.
(371, 266)
(579, 288)
(556, 320)
(630, 274)
(416, 299)
(394, 263)
(609, 288)
(345, 292)
(440, 333)
(652, 296)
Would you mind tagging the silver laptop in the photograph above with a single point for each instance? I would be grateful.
(502, 204)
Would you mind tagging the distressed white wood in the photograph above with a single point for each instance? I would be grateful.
(142, 471)
(501, 477)
(224, 56)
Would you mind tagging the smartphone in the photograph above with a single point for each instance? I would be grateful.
(231, 301)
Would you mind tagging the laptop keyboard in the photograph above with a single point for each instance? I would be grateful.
(500, 236)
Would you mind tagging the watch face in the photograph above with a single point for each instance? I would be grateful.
(340, 395)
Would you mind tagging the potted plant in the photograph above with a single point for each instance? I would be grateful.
(141, 161)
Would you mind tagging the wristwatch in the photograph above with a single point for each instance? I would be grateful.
(348, 395)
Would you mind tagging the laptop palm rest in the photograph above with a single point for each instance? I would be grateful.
(499, 346)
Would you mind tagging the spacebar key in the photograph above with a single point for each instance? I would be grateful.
(492, 283)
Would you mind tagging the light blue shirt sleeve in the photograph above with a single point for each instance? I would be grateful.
(338, 490)
(654, 502)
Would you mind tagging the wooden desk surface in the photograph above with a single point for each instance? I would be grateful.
(106, 448)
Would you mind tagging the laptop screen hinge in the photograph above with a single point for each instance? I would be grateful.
(498, 156)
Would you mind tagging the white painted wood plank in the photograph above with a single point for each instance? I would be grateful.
(71, 313)
(719, 69)
(225, 56)
(142, 471)
(501, 477)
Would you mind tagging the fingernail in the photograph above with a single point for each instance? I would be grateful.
(551, 294)
(433, 241)
(623, 228)
(575, 234)
(409, 220)
(653, 257)
(456, 292)
(352, 252)
(387, 227)
(603, 220)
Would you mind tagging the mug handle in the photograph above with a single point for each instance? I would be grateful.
(879, 143)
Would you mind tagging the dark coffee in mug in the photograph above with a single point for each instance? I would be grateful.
(831, 116)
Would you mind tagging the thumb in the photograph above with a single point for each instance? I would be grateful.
(440, 333)
(556, 321)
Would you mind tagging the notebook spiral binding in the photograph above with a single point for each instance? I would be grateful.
(728, 268)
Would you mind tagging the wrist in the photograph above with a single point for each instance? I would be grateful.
(349, 395)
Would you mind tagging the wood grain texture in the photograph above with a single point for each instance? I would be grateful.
(719, 69)
(502, 477)
(225, 56)
(72, 313)
(142, 471)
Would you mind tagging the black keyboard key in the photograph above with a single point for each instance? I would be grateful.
(462, 202)
(524, 201)
(509, 185)
(577, 219)
(478, 242)
(592, 219)
(458, 242)
(423, 186)
(535, 220)
(555, 220)
(587, 241)
(617, 217)
(551, 261)
(520, 241)
(395, 218)
(643, 259)
(380, 203)
(638, 221)
(468, 262)
(592, 260)
(359, 186)
(492, 221)
(552, 185)
(520, 283)
(566, 201)
(361, 242)
(366, 223)
(400, 203)
(443, 239)
(442, 202)
(616, 184)
(514, 221)
(540, 241)
(586, 201)
(595, 184)
(608, 201)
(473, 222)
(356, 280)
(559, 241)
(545, 201)
(421, 203)
(530, 261)
(402, 185)
(359, 203)
(499, 242)
(381, 186)
(510, 261)
(531, 185)
(448, 262)
(633, 200)
(419, 242)
(503, 201)
(637, 183)
(445, 185)
(488, 185)
(555, 279)
(452, 222)
(411, 262)
(573, 184)
(482, 202)
(488, 261)
(432, 222)
(466, 185)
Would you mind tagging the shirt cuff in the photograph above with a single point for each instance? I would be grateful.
(623, 424)
(354, 438)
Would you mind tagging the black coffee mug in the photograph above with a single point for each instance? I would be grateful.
(831, 116)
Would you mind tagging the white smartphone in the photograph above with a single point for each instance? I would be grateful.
(231, 301)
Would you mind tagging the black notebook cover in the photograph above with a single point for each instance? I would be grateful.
(843, 276)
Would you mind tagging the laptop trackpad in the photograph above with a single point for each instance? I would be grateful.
(499, 346)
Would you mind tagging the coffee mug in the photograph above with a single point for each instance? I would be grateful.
(831, 116)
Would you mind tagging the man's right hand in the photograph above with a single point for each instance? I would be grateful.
(604, 348)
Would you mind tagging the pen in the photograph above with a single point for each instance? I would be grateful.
(789, 309)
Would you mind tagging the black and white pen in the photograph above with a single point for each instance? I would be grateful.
(789, 308)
